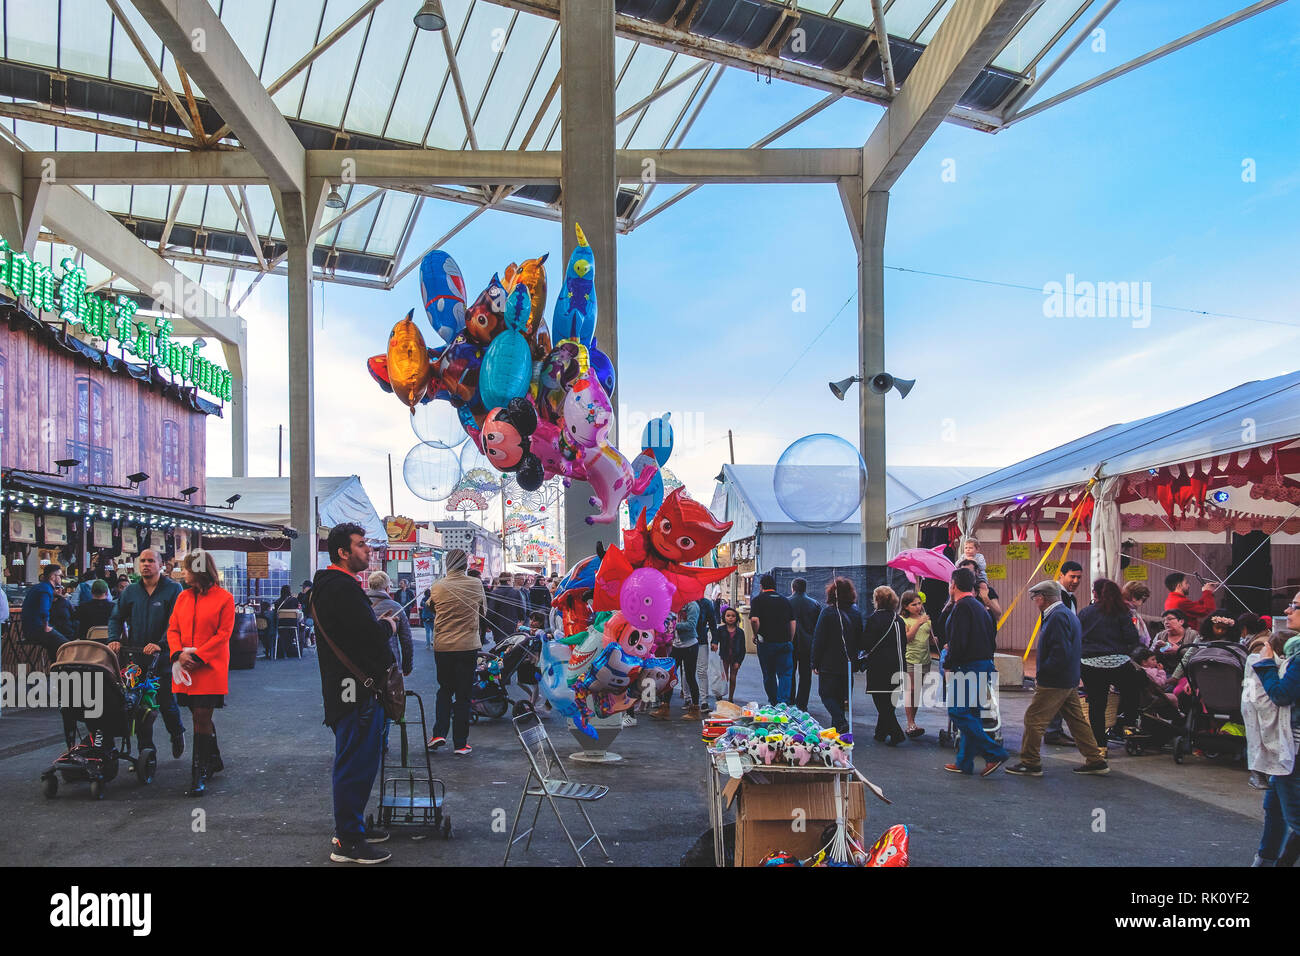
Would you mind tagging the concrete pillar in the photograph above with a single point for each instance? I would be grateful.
(236, 357)
(869, 223)
(589, 187)
(300, 213)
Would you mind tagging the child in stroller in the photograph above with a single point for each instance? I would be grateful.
(122, 704)
(1214, 671)
(1158, 715)
(516, 655)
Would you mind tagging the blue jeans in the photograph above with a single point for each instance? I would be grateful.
(974, 739)
(428, 635)
(357, 737)
(777, 662)
(1281, 815)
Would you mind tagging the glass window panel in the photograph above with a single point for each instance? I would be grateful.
(83, 46)
(448, 129)
(74, 140)
(660, 116)
(191, 211)
(548, 131)
(902, 17)
(220, 214)
(527, 43)
(550, 68)
(150, 202)
(192, 270)
(816, 6)
(381, 66)
(1042, 26)
(113, 198)
(352, 231)
(932, 27)
(480, 47)
(293, 33)
(35, 135)
(426, 74)
(262, 205)
(390, 223)
(247, 24)
(32, 36)
(127, 65)
(331, 72)
(855, 11)
(640, 77)
(110, 144)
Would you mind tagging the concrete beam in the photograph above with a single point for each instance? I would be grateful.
(970, 35)
(197, 39)
(417, 168)
(588, 187)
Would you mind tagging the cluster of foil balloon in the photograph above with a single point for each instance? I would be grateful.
(536, 401)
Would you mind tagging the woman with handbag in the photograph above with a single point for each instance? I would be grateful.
(882, 650)
(198, 636)
(833, 649)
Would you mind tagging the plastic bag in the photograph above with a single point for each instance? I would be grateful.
(717, 677)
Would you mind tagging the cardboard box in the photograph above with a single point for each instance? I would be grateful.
(766, 818)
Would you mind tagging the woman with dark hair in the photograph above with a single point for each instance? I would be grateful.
(882, 649)
(198, 636)
(1109, 639)
(731, 648)
(833, 649)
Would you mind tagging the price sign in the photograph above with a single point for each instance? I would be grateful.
(1154, 552)
(259, 566)
(1051, 568)
(996, 572)
(1018, 552)
(1135, 572)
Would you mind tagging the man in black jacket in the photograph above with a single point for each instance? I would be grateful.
(972, 677)
(806, 612)
(346, 623)
(1056, 683)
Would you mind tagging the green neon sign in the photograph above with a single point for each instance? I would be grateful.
(108, 320)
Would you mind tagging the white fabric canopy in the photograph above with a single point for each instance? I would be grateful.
(1250, 415)
(266, 500)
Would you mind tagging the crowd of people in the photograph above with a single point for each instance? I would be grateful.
(181, 634)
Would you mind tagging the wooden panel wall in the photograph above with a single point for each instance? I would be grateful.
(40, 406)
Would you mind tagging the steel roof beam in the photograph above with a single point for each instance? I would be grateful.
(965, 42)
(200, 44)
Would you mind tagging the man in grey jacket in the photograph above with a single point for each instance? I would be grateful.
(1056, 686)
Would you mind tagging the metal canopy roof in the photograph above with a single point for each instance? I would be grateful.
(357, 74)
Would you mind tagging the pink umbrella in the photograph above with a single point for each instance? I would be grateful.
(919, 563)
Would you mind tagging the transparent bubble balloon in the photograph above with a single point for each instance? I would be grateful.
(473, 462)
(820, 480)
(431, 473)
(437, 424)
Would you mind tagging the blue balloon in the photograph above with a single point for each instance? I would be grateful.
(581, 575)
(648, 502)
(443, 289)
(602, 368)
(507, 370)
(574, 316)
(658, 437)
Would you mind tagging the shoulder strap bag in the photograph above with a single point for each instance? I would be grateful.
(391, 693)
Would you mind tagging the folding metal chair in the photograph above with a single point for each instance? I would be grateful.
(548, 780)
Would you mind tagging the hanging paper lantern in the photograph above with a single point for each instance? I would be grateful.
(1292, 526)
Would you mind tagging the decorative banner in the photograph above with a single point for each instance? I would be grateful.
(22, 527)
(423, 573)
(56, 530)
(400, 529)
(1018, 552)
(1135, 572)
(1154, 552)
(259, 565)
(130, 543)
(102, 534)
(996, 572)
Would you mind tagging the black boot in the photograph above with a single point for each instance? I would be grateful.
(215, 764)
(178, 744)
(199, 765)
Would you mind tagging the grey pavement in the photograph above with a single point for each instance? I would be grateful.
(272, 804)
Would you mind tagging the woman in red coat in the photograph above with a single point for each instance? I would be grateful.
(198, 637)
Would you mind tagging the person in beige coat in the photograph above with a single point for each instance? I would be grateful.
(458, 605)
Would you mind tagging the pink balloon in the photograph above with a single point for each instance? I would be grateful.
(646, 599)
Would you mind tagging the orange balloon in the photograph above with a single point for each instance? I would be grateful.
(409, 369)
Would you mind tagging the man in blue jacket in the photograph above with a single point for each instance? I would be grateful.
(36, 612)
(1060, 638)
(972, 642)
(145, 608)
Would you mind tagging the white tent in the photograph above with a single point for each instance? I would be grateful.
(266, 500)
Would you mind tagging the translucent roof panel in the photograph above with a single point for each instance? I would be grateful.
(1038, 35)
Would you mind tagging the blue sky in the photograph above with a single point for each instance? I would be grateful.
(1139, 180)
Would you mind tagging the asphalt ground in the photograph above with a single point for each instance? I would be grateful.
(272, 806)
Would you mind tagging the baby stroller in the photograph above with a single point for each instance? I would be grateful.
(1214, 672)
(1159, 721)
(516, 655)
(120, 704)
